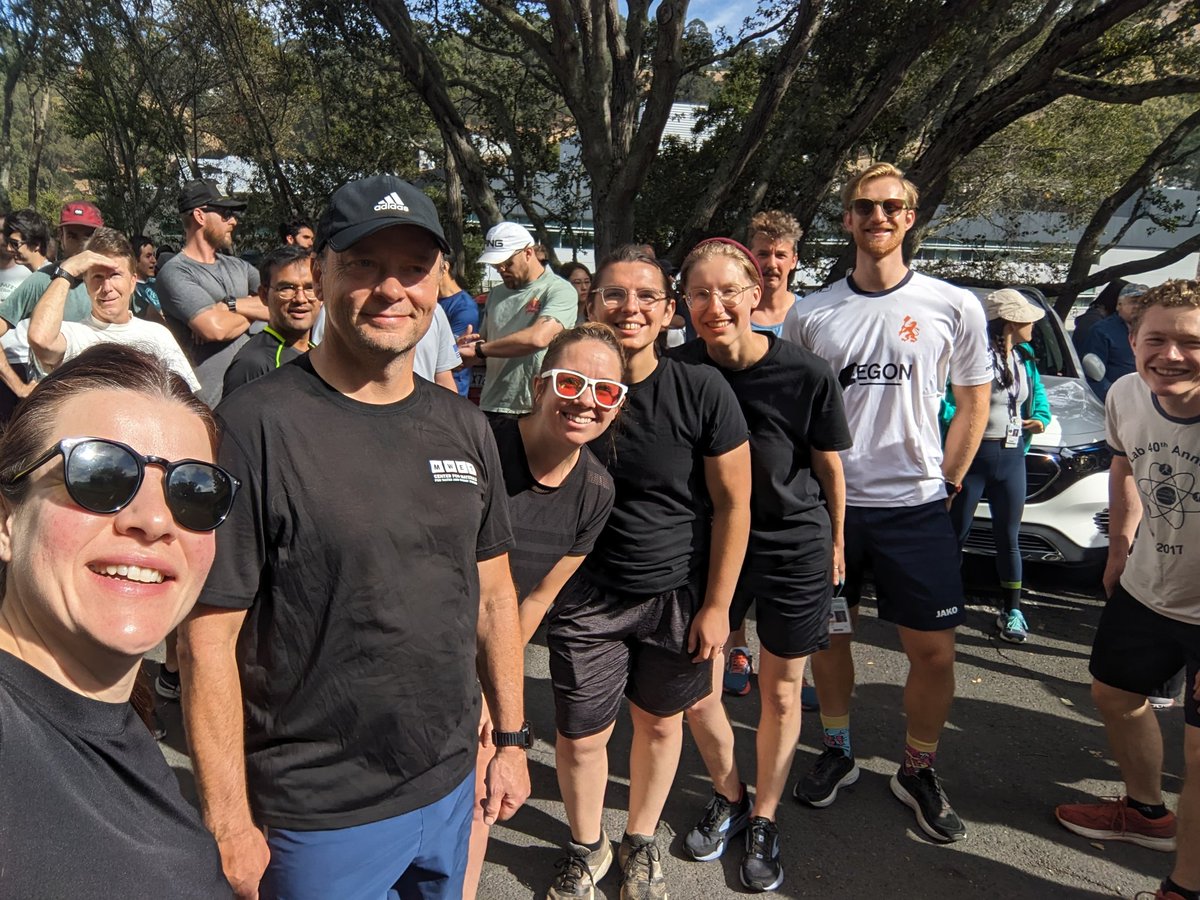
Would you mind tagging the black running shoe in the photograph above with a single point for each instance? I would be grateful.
(166, 685)
(722, 820)
(922, 793)
(833, 769)
(761, 868)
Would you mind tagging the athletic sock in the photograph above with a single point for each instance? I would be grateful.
(591, 848)
(1012, 595)
(1149, 810)
(1183, 892)
(836, 733)
(638, 840)
(918, 754)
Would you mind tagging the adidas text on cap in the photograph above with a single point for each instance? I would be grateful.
(502, 241)
(360, 208)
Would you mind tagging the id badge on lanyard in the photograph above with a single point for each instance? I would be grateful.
(1012, 431)
(839, 613)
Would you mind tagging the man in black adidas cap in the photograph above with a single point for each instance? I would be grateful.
(360, 590)
(209, 297)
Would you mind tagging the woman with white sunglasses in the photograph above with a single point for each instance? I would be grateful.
(110, 497)
(559, 494)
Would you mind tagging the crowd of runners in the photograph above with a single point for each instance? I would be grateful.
(273, 470)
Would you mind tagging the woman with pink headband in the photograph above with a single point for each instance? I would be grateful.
(793, 407)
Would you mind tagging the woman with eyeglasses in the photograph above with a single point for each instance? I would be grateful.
(110, 497)
(559, 495)
(648, 610)
(793, 406)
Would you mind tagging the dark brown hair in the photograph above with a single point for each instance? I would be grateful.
(588, 331)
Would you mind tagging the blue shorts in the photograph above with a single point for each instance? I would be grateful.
(913, 552)
(420, 854)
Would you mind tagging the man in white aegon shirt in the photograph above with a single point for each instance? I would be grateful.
(894, 337)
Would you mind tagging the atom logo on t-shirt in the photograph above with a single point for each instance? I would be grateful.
(459, 470)
(1171, 495)
(909, 331)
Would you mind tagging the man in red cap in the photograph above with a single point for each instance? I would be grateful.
(76, 222)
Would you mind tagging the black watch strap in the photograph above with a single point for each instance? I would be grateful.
(479, 352)
(231, 302)
(522, 738)
(72, 280)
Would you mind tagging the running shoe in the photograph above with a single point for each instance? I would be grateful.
(834, 769)
(738, 669)
(1161, 894)
(1013, 627)
(1116, 820)
(1161, 703)
(761, 868)
(579, 869)
(641, 870)
(166, 685)
(922, 793)
(722, 820)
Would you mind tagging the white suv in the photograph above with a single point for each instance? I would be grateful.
(1066, 498)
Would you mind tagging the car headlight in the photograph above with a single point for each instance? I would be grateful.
(1085, 460)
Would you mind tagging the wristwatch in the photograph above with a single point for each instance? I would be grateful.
(72, 280)
(479, 350)
(522, 738)
(231, 302)
(953, 489)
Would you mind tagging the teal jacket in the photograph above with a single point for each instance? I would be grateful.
(1036, 405)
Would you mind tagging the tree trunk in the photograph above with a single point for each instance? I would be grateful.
(39, 108)
(454, 216)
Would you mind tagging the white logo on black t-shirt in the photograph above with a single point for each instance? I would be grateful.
(453, 470)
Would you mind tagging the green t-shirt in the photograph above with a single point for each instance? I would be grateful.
(508, 385)
(24, 298)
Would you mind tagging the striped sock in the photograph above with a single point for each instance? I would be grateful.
(836, 732)
(918, 754)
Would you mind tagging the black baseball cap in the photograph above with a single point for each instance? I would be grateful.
(360, 208)
(205, 193)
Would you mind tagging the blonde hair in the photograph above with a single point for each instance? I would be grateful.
(1173, 294)
(775, 225)
(718, 248)
(879, 170)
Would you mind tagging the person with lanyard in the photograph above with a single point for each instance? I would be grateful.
(286, 287)
(793, 406)
(648, 611)
(1019, 409)
(559, 495)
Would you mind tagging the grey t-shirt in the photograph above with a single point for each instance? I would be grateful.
(10, 278)
(18, 306)
(187, 288)
(1006, 402)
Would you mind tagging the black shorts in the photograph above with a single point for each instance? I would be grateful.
(1138, 650)
(792, 621)
(606, 643)
(913, 552)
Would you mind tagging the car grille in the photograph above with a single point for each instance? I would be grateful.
(1101, 520)
(1032, 547)
(1041, 471)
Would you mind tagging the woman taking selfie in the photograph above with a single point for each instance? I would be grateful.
(110, 497)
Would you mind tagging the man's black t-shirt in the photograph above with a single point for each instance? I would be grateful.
(88, 805)
(657, 537)
(549, 523)
(354, 543)
(262, 354)
(793, 405)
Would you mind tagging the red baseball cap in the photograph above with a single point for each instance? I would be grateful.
(80, 212)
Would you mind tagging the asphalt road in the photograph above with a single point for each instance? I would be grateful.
(1022, 737)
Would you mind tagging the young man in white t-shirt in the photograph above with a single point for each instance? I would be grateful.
(1150, 627)
(107, 267)
(894, 337)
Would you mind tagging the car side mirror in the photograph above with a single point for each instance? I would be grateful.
(1093, 368)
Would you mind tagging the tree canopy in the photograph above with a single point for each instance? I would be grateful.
(555, 111)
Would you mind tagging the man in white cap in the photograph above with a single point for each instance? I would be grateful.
(519, 321)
